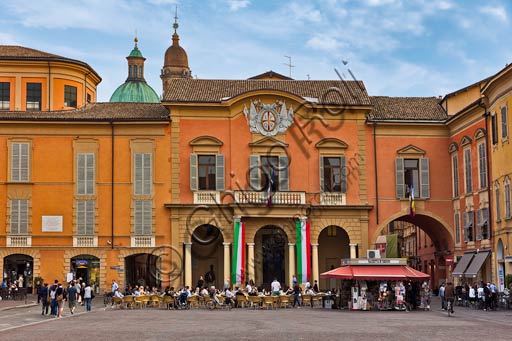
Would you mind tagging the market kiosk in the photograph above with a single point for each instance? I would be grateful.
(377, 283)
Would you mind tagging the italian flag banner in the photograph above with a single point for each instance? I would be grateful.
(238, 261)
(303, 251)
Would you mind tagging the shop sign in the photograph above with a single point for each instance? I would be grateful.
(449, 260)
(52, 223)
(81, 262)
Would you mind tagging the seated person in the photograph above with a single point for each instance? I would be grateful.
(117, 293)
(204, 292)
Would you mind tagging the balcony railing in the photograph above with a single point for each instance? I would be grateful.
(333, 199)
(278, 198)
(19, 241)
(85, 241)
(143, 241)
(206, 197)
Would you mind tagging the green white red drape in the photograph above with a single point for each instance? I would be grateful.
(238, 260)
(303, 251)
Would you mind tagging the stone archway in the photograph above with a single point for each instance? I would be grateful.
(207, 252)
(271, 256)
(34, 254)
(69, 254)
(500, 259)
(333, 246)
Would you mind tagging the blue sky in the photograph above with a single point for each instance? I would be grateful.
(397, 47)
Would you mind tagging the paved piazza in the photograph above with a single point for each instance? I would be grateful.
(304, 323)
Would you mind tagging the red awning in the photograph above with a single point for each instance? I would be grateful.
(375, 272)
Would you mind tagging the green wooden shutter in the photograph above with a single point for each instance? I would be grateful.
(89, 174)
(219, 170)
(284, 168)
(24, 163)
(138, 173)
(193, 172)
(343, 175)
(254, 173)
(424, 178)
(399, 173)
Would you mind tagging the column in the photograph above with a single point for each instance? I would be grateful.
(291, 263)
(250, 262)
(188, 264)
(353, 253)
(227, 268)
(314, 266)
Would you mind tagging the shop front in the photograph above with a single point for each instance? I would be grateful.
(18, 268)
(86, 267)
(378, 284)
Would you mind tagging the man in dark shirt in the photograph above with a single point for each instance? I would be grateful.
(296, 292)
(72, 297)
(45, 299)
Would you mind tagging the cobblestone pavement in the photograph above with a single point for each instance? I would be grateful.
(305, 323)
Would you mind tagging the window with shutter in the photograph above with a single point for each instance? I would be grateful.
(85, 217)
(425, 179)
(270, 173)
(482, 165)
(465, 225)
(485, 223)
(494, 127)
(457, 227)
(20, 162)
(142, 174)
(193, 172)
(19, 217)
(85, 174)
(507, 198)
(220, 172)
(399, 175)
(497, 194)
(143, 217)
(479, 222)
(333, 174)
(504, 123)
(254, 173)
(467, 170)
(284, 169)
(455, 177)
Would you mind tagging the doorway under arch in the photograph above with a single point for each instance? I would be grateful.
(18, 266)
(333, 246)
(142, 269)
(271, 256)
(500, 257)
(208, 256)
(86, 267)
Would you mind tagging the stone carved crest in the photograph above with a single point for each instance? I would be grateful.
(268, 119)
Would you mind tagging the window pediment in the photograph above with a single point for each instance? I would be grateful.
(269, 142)
(331, 143)
(480, 133)
(206, 141)
(410, 150)
(465, 140)
(453, 147)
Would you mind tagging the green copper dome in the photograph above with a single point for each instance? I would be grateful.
(136, 52)
(135, 91)
(135, 88)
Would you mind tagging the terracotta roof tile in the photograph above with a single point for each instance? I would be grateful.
(12, 52)
(406, 108)
(95, 112)
(216, 90)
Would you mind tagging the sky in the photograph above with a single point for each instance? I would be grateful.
(396, 47)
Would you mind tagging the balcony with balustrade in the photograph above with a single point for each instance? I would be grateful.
(278, 198)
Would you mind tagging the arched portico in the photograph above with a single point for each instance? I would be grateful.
(333, 246)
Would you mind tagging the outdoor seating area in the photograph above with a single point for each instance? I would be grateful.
(195, 301)
(17, 294)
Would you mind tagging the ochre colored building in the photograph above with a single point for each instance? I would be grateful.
(255, 179)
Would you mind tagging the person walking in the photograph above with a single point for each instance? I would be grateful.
(88, 297)
(296, 292)
(53, 298)
(441, 294)
(72, 297)
(60, 297)
(449, 295)
(45, 299)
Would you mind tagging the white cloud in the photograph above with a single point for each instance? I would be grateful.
(235, 5)
(325, 43)
(496, 11)
(8, 39)
(380, 2)
(304, 12)
(163, 2)
(444, 5)
(456, 51)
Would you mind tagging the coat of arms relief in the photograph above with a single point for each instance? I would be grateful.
(268, 119)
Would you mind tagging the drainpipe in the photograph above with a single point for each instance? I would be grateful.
(488, 165)
(376, 172)
(112, 184)
(49, 86)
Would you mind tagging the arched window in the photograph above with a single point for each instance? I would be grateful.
(135, 71)
(140, 71)
(506, 193)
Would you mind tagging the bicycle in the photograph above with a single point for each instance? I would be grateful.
(214, 303)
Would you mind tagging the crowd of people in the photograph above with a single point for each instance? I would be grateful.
(53, 297)
(481, 295)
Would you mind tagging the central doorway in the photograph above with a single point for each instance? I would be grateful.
(272, 254)
(208, 257)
